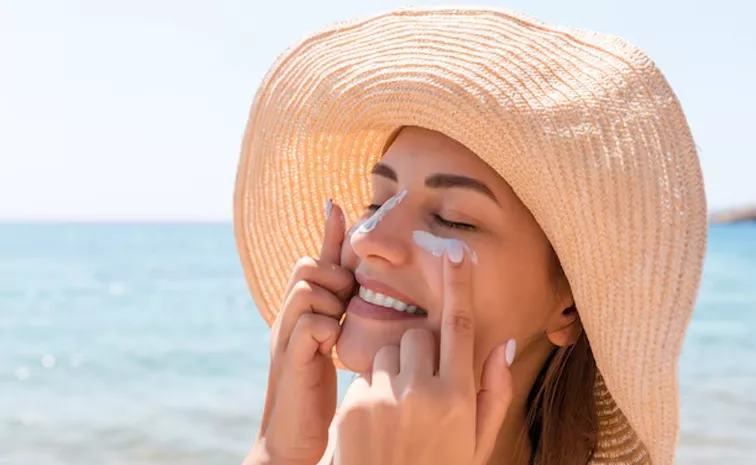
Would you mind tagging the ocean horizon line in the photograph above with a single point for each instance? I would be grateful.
(113, 221)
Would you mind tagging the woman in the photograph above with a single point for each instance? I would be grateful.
(528, 226)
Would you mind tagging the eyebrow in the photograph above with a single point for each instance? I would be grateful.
(439, 180)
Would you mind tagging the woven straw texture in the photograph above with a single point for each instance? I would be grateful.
(584, 128)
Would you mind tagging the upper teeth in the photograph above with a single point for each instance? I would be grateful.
(385, 301)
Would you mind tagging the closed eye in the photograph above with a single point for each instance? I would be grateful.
(436, 217)
(453, 224)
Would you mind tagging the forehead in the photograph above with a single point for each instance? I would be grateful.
(421, 152)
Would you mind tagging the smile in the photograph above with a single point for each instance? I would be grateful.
(376, 298)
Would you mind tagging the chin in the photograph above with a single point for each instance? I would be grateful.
(361, 339)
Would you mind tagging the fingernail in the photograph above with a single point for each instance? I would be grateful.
(329, 206)
(510, 351)
(456, 251)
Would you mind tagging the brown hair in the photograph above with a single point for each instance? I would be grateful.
(561, 418)
(561, 415)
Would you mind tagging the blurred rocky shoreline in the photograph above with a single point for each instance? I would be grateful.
(735, 215)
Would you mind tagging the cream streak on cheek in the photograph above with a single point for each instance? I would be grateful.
(438, 245)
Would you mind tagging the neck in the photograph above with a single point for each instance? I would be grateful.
(513, 444)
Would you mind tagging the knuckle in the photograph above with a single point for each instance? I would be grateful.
(458, 283)
(345, 280)
(387, 351)
(414, 334)
(417, 335)
(312, 323)
(297, 301)
(329, 324)
(413, 396)
(460, 321)
(301, 288)
(386, 409)
(416, 402)
(456, 404)
(305, 265)
(306, 321)
(306, 262)
(455, 282)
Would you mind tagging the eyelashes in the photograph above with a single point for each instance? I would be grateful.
(453, 224)
(440, 220)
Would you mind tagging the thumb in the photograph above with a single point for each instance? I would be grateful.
(493, 400)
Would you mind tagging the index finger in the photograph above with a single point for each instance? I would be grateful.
(457, 319)
(330, 251)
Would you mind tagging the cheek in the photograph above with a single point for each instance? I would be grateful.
(511, 302)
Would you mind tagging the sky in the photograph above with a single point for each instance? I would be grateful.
(134, 110)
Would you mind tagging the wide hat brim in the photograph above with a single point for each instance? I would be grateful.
(583, 127)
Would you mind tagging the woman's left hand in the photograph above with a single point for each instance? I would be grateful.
(409, 413)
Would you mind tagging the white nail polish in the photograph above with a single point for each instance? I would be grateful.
(510, 351)
(456, 251)
(329, 206)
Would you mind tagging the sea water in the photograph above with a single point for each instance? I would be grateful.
(140, 344)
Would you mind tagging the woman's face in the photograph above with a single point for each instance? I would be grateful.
(441, 189)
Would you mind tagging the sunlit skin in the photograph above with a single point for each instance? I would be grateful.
(517, 290)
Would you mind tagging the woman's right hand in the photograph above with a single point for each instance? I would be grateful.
(301, 397)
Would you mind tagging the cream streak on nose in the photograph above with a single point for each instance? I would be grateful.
(379, 214)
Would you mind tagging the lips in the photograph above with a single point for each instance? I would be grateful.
(381, 294)
(376, 298)
(383, 288)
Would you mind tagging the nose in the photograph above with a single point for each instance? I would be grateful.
(384, 237)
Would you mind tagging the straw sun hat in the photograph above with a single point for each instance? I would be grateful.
(583, 127)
